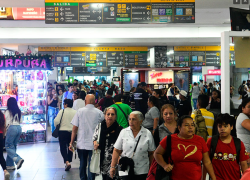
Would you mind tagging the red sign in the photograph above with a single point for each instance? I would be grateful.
(214, 72)
(16, 13)
(154, 75)
(165, 80)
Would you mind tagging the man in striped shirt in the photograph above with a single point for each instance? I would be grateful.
(203, 101)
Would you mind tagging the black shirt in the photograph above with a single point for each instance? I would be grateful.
(141, 98)
(215, 104)
(184, 108)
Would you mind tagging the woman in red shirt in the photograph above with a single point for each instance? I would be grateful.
(2, 132)
(188, 150)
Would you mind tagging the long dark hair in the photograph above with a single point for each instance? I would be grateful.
(155, 101)
(13, 108)
(244, 103)
(2, 121)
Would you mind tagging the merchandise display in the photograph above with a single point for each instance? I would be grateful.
(31, 92)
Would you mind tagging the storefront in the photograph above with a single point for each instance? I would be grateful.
(25, 78)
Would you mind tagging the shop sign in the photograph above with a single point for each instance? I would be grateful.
(160, 77)
(214, 72)
(24, 63)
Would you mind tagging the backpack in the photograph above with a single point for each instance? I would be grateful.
(107, 102)
(156, 172)
(200, 125)
(241, 89)
(214, 141)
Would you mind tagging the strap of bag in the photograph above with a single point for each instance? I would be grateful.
(214, 142)
(136, 146)
(99, 133)
(61, 118)
(237, 143)
(122, 111)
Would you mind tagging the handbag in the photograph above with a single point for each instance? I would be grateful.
(96, 157)
(55, 133)
(127, 164)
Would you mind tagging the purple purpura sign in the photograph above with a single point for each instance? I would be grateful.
(25, 63)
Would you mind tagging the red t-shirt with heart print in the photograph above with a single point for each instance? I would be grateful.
(187, 156)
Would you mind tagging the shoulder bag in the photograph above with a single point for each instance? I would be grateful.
(55, 133)
(96, 157)
(122, 111)
(126, 165)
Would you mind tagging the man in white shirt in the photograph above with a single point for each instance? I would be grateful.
(84, 124)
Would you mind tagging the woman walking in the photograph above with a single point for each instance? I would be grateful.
(2, 132)
(53, 105)
(65, 116)
(14, 130)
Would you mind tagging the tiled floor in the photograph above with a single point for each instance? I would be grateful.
(43, 161)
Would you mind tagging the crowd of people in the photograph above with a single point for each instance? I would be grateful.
(132, 132)
(137, 136)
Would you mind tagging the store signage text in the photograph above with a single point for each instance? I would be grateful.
(154, 75)
(23, 63)
(214, 72)
(165, 80)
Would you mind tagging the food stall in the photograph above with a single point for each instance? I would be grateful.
(25, 78)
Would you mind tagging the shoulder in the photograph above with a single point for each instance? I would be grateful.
(198, 139)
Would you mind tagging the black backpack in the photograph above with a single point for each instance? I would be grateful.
(107, 102)
(241, 89)
(214, 142)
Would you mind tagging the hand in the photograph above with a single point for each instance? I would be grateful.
(112, 172)
(218, 99)
(168, 168)
(71, 147)
(96, 145)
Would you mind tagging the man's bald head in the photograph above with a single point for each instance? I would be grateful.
(90, 99)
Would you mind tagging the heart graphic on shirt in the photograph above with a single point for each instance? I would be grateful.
(189, 154)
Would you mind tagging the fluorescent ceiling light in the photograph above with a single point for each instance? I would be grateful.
(93, 44)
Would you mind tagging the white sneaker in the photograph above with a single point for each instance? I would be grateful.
(10, 167)
(19, 164)
(6, 175)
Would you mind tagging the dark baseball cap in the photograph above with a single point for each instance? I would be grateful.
(143, 84)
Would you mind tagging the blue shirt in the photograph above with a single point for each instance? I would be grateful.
(69, 96)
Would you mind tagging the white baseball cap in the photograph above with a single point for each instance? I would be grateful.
(183, 93)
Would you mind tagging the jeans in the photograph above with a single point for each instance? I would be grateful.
(195, 103)
(12, 138)
(52, 113)
(2, 160)
(64, 140)
(85, 158)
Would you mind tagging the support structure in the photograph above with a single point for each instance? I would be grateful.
(225, 67)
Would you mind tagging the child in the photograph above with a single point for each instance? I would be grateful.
(223, 150)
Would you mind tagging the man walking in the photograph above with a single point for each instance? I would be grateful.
(84, 124)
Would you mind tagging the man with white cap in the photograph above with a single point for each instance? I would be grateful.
(185, 107)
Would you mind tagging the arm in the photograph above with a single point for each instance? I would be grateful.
(73, 136)
(151, 157)
(58, 118)
(246, 124)
(50, 100)
(115, 156)
(156, 120)
(208, 166)
(244, 166)
(158, 154)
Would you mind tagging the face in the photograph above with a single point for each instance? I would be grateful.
(168, 115)
(246, 109)
(231, 90)
(53, 91)
(75, 88)
(214, 95)
(101, 87)
(71, 88)
(74, 96)
(110, 116)
(60, 92)
(224, 129)
(187, 128)
(149, 103)
(134, 121)
(172, 86)
(155, 95)
(88, 90)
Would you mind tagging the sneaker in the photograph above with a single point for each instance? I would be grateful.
(19, 164)
(10, 167)
(6, 175)
(67, 167)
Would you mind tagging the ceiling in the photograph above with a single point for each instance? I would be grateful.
(209, 14)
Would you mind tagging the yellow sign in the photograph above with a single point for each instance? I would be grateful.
(148, 7)
(172, 1)
(231, 48)
(53, 48)
(190, 48)
(83, 54)
(213, 48)
(217, 54)
(109, 48)
(56, 19)
(56, 8)
(124, 11)
(57, 14)
(119, 6)
(119, 10)
(124, 6)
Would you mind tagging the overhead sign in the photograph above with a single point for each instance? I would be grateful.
(22, 13)
(155, 77)
(97, 56)
(119, 12)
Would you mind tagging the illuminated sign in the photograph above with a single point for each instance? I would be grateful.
(214, 72)
(155, 77)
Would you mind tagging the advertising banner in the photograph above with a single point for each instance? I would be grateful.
(160, 77)
(181, 80)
